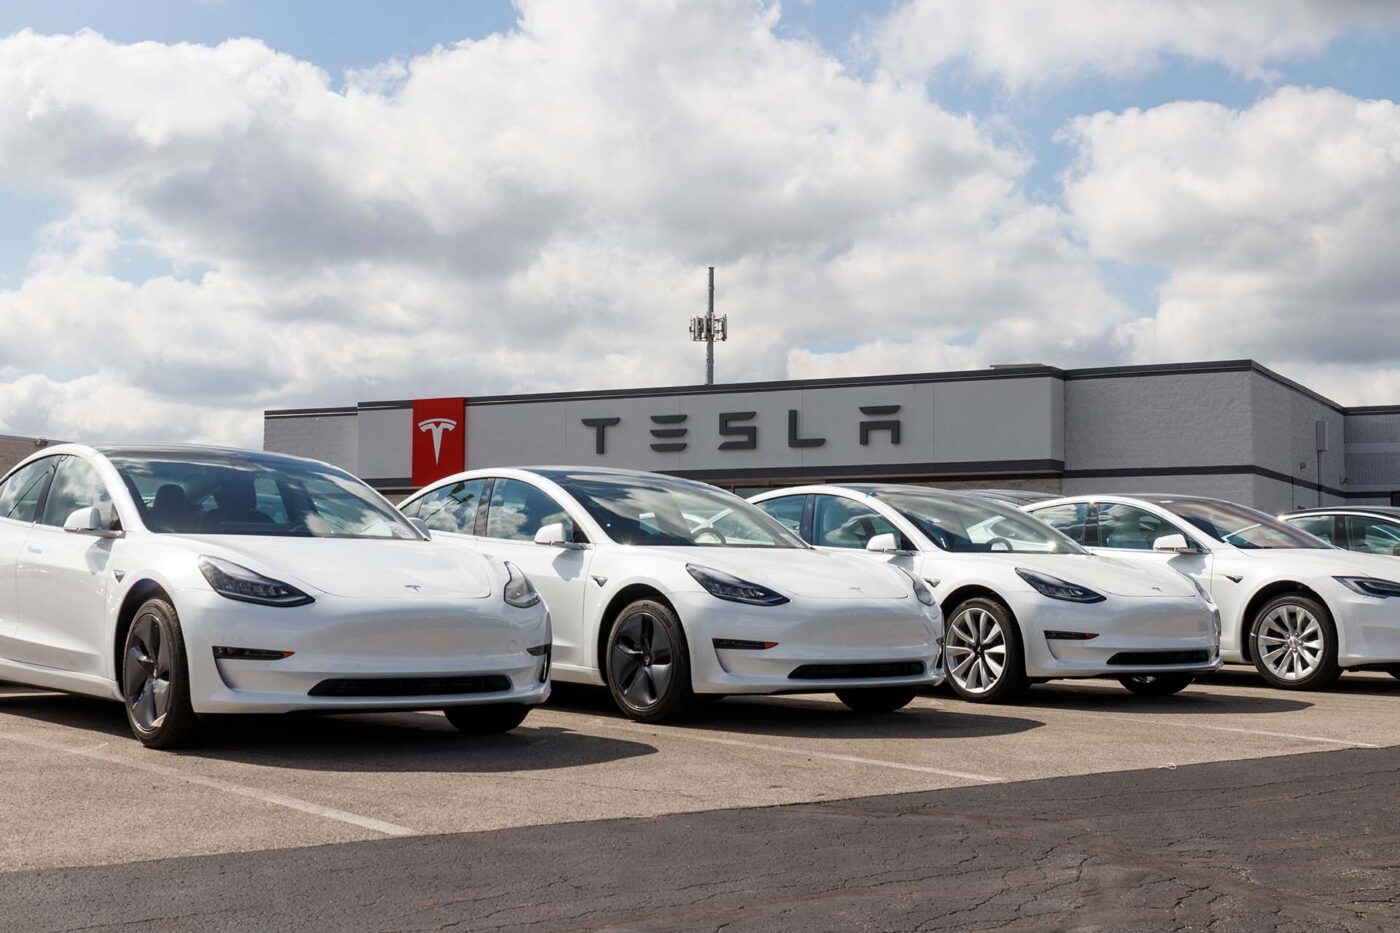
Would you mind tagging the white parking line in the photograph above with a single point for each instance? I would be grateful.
(1348, 743)
(281, 800)
(689, 735)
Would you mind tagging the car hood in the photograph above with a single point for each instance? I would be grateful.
(358, 568)
(1108, 575)
(800, 572)
(1333, 562)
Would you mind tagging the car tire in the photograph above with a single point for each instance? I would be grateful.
(980, 633)
(487, 719)
(876, 699)
(1306, 621)
(155, 679)
(648, 664)
(1157, 685)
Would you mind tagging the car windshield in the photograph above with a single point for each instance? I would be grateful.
(213, 493)
(1241, 526)
(971, 525)
(656, 511)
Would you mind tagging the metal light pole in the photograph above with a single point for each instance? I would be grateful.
(709, 329)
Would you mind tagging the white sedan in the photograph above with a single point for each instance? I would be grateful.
(1301, 610)
(667, 590)
(189, 581)
(1024, 603)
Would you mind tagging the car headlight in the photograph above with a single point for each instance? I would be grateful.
(519, 591)
(723, 586)
(247, 586)
(921, 589)
(1055, 588)
(1370, 586)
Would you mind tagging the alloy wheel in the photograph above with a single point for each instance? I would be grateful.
(146, 672)
(975, 647)
(642, 660)
(1291, 642)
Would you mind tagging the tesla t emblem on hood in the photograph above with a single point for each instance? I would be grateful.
(857, 589)
(438, 426)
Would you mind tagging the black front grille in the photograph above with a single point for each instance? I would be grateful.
(409, 686)
(1145, 658)
(857, 671)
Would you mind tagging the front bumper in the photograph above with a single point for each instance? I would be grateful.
(863, 643)
(1147, 633)
(386, 650)
(1368, 628)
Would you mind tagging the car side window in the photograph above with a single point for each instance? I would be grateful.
(518, 510)
(1373, 535)
(1071, 520)
(76, 485)
(787, 510)
(1127, 527)
(841, 522)
(1319, 526)
(451, 508)
(22, 491)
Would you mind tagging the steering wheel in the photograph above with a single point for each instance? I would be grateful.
(708, 536)
(993, 542)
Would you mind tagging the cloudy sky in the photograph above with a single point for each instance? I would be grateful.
(212, 208)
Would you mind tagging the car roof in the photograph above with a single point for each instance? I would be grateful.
(1385, 511)
(878, 489)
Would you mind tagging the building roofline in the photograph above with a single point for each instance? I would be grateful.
(1030, 371)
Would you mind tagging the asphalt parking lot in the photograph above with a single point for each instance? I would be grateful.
(276, 821)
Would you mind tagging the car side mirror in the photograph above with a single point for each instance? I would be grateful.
(88, 521)
(1176, 543)
(885, 543)
(557, 534)
(422, 527)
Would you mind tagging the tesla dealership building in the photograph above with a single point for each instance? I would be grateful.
(1231, 429)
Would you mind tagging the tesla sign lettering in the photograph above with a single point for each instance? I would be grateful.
(670, 432)
(439, 438)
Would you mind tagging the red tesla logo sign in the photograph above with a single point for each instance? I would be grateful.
(439, 438)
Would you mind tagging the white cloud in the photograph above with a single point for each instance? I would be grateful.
(526, 212)
(1029, 42)
(1276, 224)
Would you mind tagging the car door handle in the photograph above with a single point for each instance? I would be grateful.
(36, 550)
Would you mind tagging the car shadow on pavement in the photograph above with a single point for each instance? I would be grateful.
(817, 716)
(1103, 696)
(370, 742)
(1364, 683)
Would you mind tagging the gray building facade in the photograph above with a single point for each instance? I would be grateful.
(1232, 429)
(14, 448)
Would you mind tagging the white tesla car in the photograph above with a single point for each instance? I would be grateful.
(664, 589)
(186, 581)
(1023, 602)
(1299, 609)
